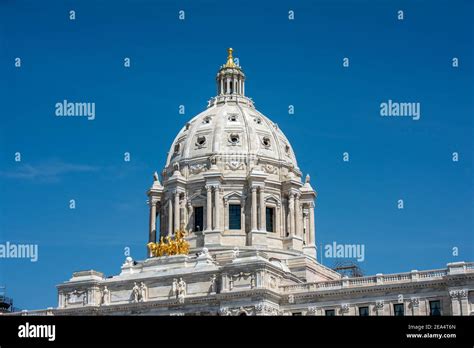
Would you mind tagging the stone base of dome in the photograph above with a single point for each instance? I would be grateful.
(310, 250)
(293, 243)
(212, 238)
(257, 239)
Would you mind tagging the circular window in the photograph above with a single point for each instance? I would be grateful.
(266, 141)
(234, 139)
(258, 120)
(201, 141)
(206, 120)
(233, 118)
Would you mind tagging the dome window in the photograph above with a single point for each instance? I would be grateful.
(201, 141)
(177, 147)
(234, 139)
(258, 120)
(233, 118)
(266, 142)
(207, 120)
(287, 149)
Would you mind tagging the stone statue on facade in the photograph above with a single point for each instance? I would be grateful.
(105, 298)
(135, 293)
(143, 291)
(181, 290)
(235, 253)
(213, 283)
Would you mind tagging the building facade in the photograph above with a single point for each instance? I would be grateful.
(232, 183)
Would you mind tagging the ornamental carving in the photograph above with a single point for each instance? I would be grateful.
(379, 305)
(270, 169)
(235, 165)
(265, 309)
(458, 294)
(415, 302)
(197, 168)
(224, 311)
(76, 297)
(345, 308)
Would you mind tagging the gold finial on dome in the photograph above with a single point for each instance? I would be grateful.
(230, 60)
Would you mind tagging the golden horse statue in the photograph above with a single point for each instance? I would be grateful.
(170, 246)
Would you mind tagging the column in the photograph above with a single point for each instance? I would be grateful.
(152, 234)
(184, 217)
(298, 230)
(464, 302)
(222, 86)
(226, 215)
(304, 215)
(278, 219)
(176, 211)
(312, 236)
(190, 217)
(283, 219)
(291, 214)
(263, 226)
(209, 208)
(242, 215)
(228, 85)
(243, 88)
(170, 215)
(254, 209)
(217, 224)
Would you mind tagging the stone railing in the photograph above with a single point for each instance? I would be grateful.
(381, 279)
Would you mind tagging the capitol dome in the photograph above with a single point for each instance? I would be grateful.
(232, 127)
(231, 179)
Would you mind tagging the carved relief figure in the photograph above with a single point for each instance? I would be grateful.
(143, 292)
(181, 290)
(135, 293)
(105, 298)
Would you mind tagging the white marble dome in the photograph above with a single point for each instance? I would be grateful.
(231, 129)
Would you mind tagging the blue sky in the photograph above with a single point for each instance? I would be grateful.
(286, 62)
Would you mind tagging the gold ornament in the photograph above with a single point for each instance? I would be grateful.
(170, 246)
